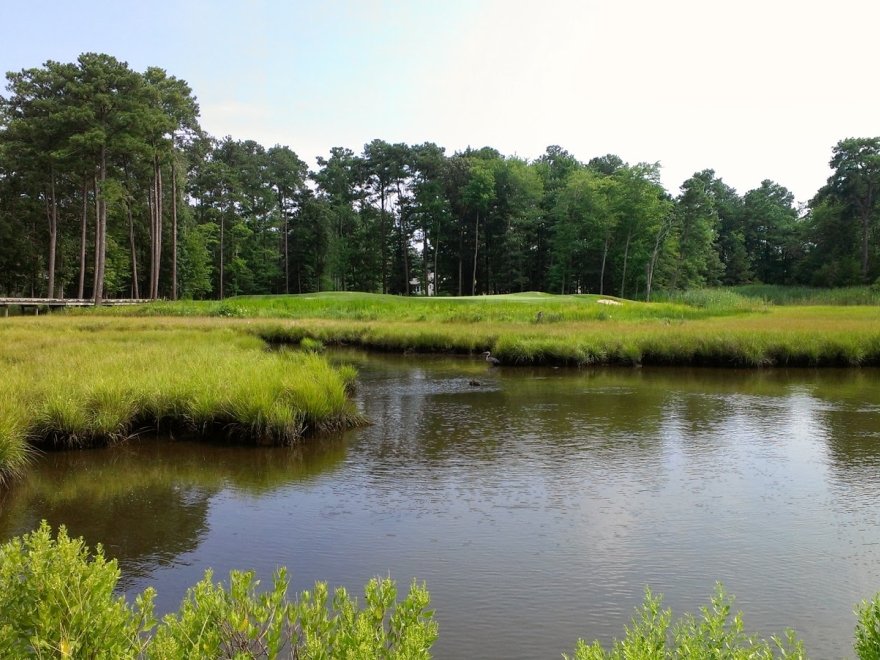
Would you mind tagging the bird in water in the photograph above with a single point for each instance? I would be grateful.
(491, 360)
(474, 383)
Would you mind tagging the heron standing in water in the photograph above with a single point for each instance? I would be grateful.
(491, 360)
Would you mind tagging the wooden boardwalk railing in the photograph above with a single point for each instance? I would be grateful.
(37, 303)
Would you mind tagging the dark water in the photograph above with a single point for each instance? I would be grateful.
(537, 506)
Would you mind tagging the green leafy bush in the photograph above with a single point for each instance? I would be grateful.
(57, 600)
(240, 622)
(867, 643)
(716, 634)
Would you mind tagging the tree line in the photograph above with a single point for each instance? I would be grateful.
(109, 187)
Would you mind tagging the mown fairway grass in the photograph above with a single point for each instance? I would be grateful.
(79, 381)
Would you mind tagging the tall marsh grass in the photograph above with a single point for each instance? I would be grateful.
(79, 382)
(723, 327)
(802, 295)
(754, 296)
(797, 336)
(538, 308)
(715, 301)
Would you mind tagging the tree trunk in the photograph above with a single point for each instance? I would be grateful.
(404, 240)
(625, 258)
(682, 242)
(286, 247)
(156, 258)
(652, 264)
(53, 232)
(151, 207)
(80, 292)
(460, 259)
(134, 267)
(602, 274)
(425, 263)
(173, 227)
(97, 249)
(35, 262)
(405, 255)
(384, 234)
(101, 231)
(222, 232)
(476, 249)
(436, 247)
(159, 195)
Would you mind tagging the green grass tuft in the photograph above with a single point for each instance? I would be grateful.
(76, 382)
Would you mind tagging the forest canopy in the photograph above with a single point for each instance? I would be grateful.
(109, 187)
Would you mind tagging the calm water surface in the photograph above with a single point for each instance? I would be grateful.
(537, 506)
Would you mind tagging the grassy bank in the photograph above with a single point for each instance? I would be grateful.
(789, 337)
(84, 381)
(710, 327)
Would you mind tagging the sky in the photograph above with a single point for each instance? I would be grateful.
(753, 89)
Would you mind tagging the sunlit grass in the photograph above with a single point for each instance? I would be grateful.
(14, 452)
(723, 327)
(79, 382)
(531, 307)
(786, 336)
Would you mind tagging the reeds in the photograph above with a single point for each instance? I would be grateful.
(78, 382)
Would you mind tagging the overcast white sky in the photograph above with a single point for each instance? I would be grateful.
(754, 89)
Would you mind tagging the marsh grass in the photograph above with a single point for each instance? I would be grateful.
(75, 382)
(717, 301)
(785, 336)
(366, 307)
(717, 327)
(801, 295)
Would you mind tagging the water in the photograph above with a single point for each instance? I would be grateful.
(537, 506)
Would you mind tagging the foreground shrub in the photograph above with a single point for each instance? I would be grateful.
(868, 629)
(715, 634)
(240, 622)
(57, 600)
